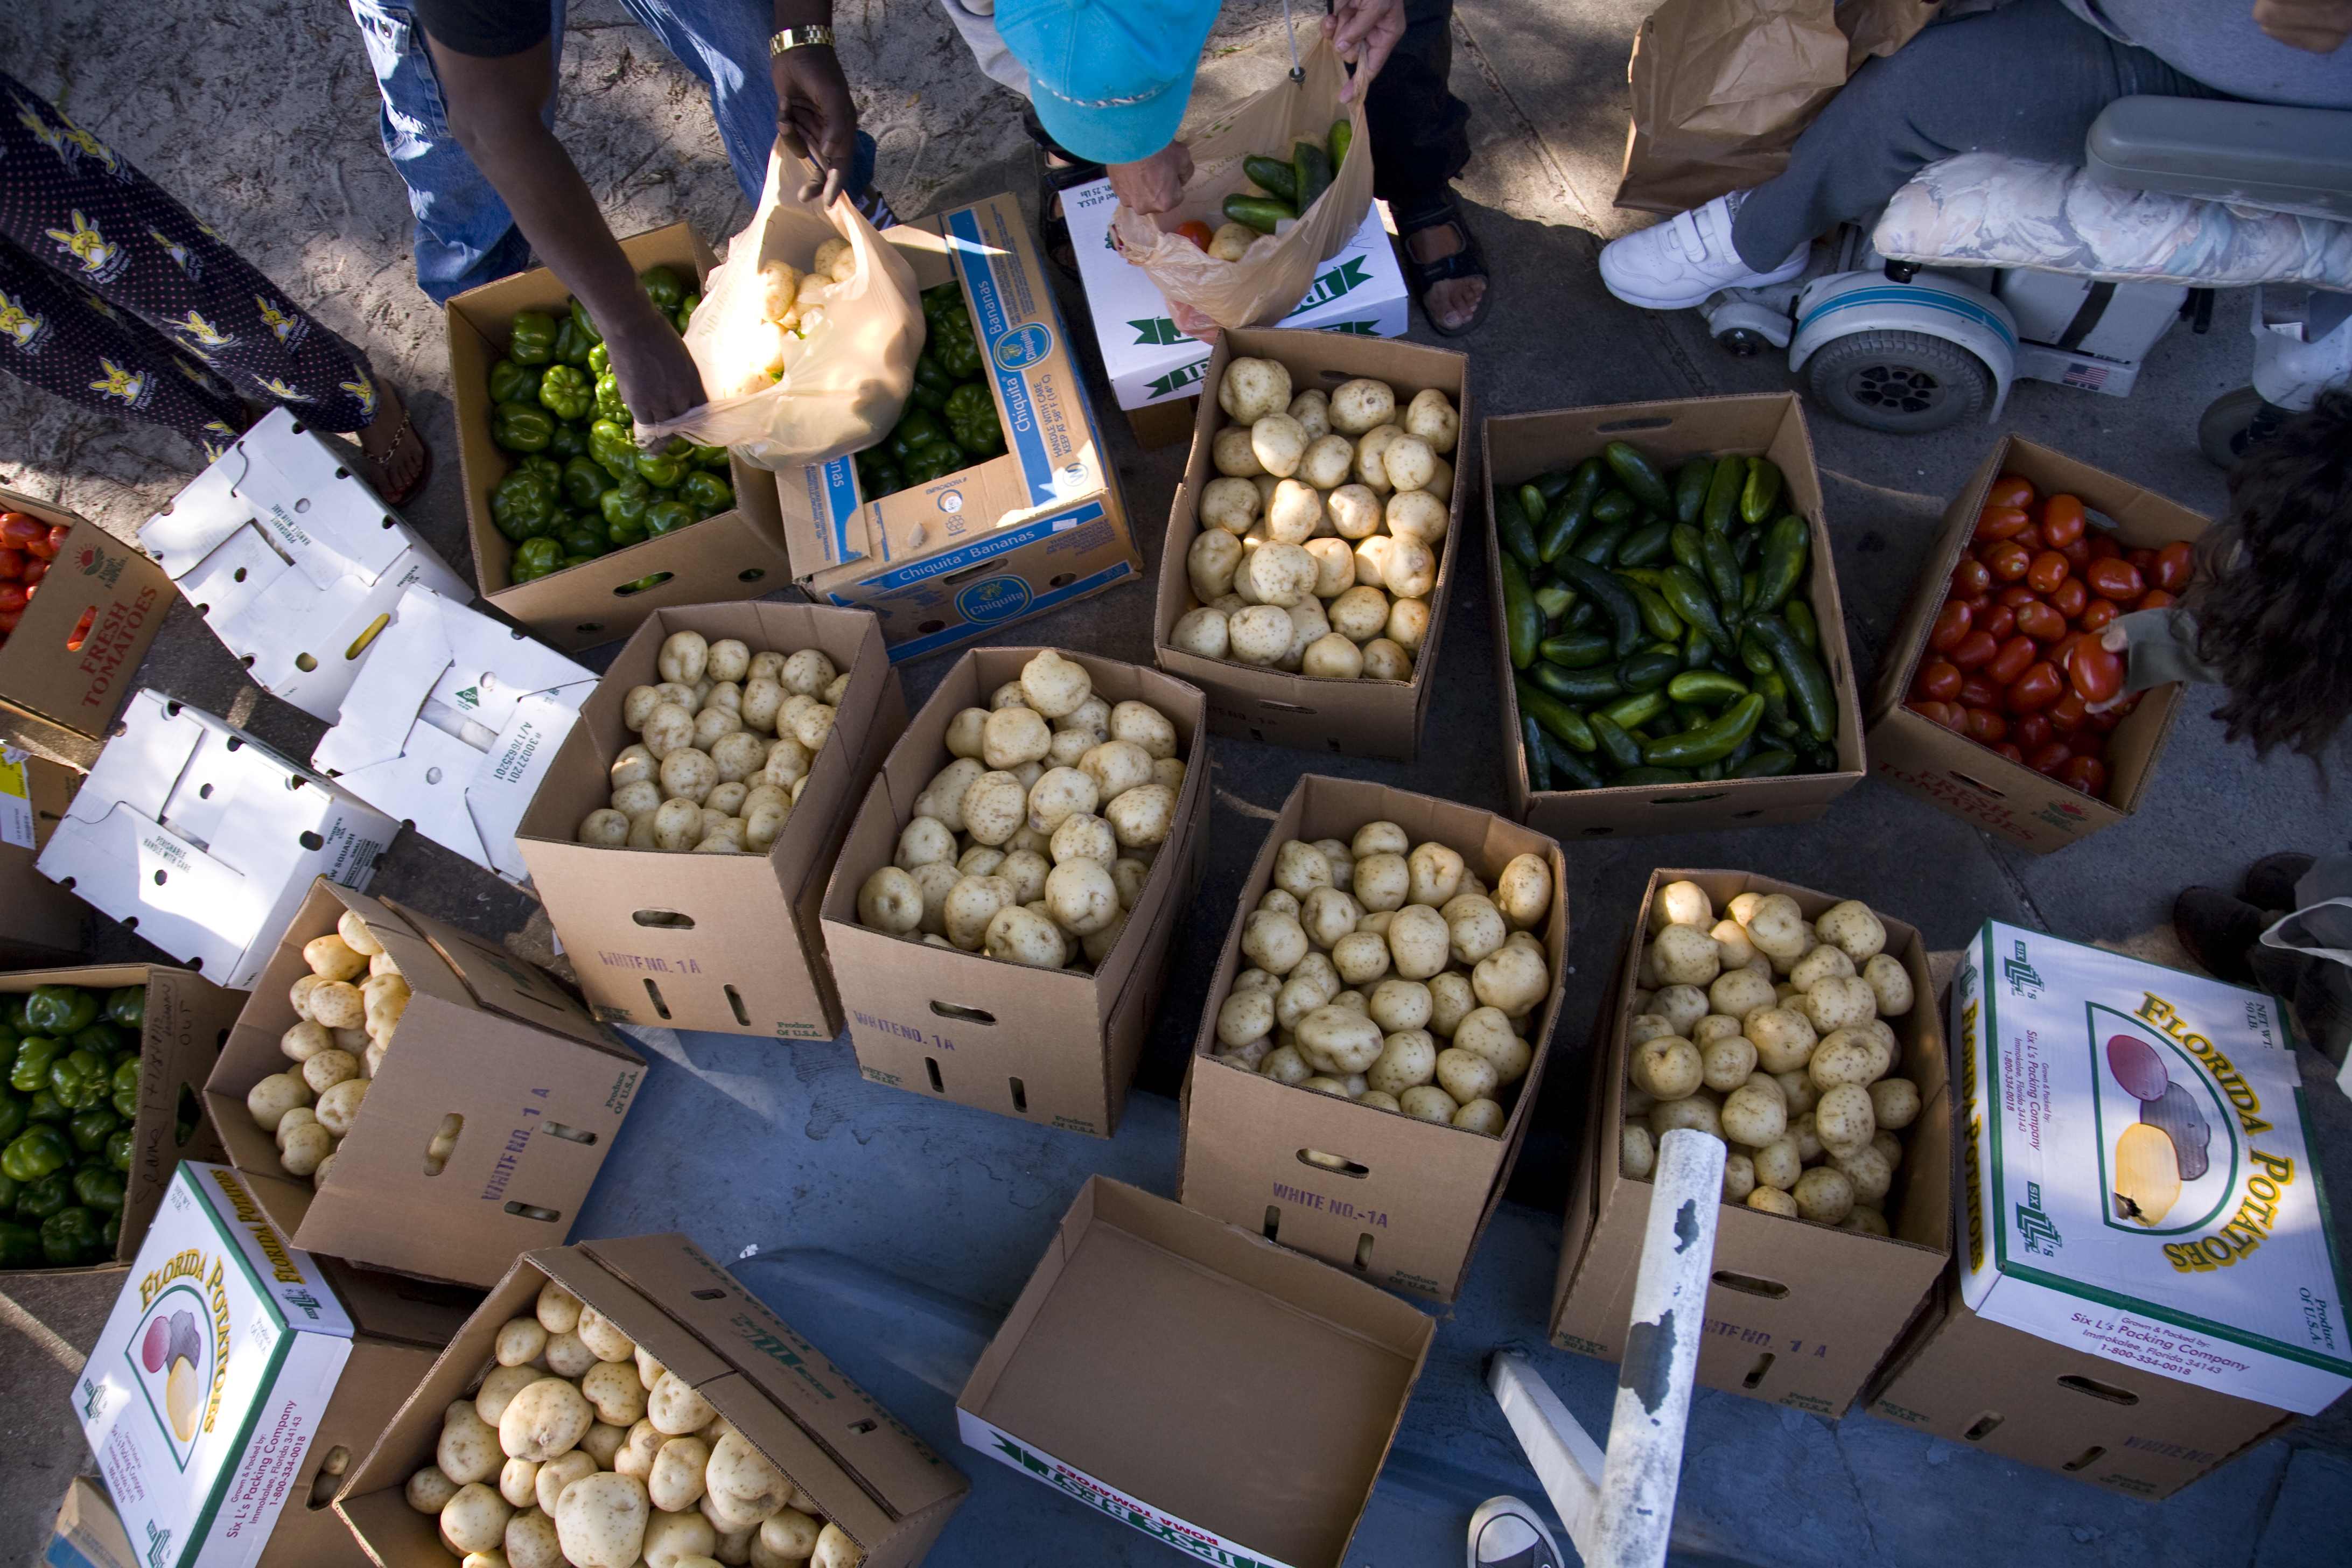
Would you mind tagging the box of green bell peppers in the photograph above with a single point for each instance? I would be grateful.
(988, 501)
(577, 533)
(100, 1068)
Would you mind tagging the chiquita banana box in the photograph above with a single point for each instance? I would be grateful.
(2136, 1180)
(203, 1393)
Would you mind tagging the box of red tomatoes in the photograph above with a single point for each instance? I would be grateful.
(77, 609)
(1985, 698)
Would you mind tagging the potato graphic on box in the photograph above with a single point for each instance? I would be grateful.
(173, 1348)
(2176, 1115)
(2147, 1174)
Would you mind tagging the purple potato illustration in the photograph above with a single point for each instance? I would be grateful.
(2174, 1114)
(2135, 1065)
(154, 1347)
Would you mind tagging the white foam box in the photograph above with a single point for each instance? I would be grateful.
(205, 840)
(451, 725)
(1361, 290)
(2138, 1180)
(291, 559)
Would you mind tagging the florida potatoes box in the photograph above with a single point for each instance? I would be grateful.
(1972, 781)
(1406, 1202)
(489, 1051)
(866, 1472)
(1054, 1048)
(1799, 1314)
(736, 554)
(69, 663)
(2138, 1181)
(1354, 718)
(725, 943)
(235, 1375)
(1520, 446)
(1038, 525)
(1216, 1392)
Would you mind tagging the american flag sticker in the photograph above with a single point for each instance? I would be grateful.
(2090, 377)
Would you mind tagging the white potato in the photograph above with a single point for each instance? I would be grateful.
(1428, 1103)
(1358, 406)
(1409, 567)
(1681, 1005)
(1776, 928)
(1355, 511)
(684, 657)
(1637, 1152)
(475, 1520)
(1419, 943)
(1022, 935)
(1252, 388)
(1890, 985)
(1668, 1067)
(1523, 892)
(1839, 1003)
(600, 1520)
(1513, 978)
(1755, 1115)
(1430, 417)
(1279, 442)
(1143, 816)
(1725, 1062)
(1326, 461)
(1843, 1121)
(274, 1096)
(1233, 455)
(1854, 929)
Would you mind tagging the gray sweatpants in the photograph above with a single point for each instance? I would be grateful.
(2026, 80)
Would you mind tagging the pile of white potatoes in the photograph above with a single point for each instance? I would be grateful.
(726, 741)
(1767, 1030)
(792, 302)
(1318, 542)
(337, 1043)
(1033, 843)
(583, 1449)
(1365, 954)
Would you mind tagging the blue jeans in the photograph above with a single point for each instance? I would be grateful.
(464, 234)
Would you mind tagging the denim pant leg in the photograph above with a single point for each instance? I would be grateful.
(725, 44)
(464, 234)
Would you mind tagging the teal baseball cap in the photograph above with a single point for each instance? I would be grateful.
(1109, 81)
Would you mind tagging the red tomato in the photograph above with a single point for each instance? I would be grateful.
(2057, 651)
(81, 630)
(12, 565)
(2141, 559)
(2049, 759)
(46, 547)
(2049, 569)
(2088, 774)
(2000, 522)
(2097, 614)
(2011, 489)
(2069, 597)
(1952, 623)
(2173, 566)
(2101, 723)
(2007, 560)
(2103, 548)
(2097, 673)
(2155, 599)
(2088, 742)
(1938, 713)
(2037, 686)
(1969, 578)
(1976, 691)
(2066, 715)
(2010, 661)
(1973, 649)
(2077, 554)
(1197, 232)
(2041, 622)
(20, 528)
(2115, 580)
(13, 597)
(2017, 594)
(1998, 622)
(1987, 727)
(2031, 730)
(35, 570)
(8, 620)
(2062, 520)
(1938, 681)
(2030, 538)
(2009, 749)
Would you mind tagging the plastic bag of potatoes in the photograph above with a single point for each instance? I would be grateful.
(1037, 838)
(725, 746)
(1769, 1031)
(580, 1449)
(346, 1011)
(1387, 973)
(1319, 541)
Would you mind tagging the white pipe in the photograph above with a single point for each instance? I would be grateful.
(1653, 1380)
(1566, 1459)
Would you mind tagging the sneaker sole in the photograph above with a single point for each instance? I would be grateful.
(1684, 301)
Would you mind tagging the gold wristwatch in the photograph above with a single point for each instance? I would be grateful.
(800, 38)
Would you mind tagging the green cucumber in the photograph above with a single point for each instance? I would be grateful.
(1639, 475)
(1260, 213)
(1273, 175)
(1576, 650)
(1691, 481)
(1761, 492)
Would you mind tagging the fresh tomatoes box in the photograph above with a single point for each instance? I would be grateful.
(77, 609)
(1984, 696)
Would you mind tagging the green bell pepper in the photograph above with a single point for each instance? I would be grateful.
(121, 1148)
(610, 445)
(584, 482)
(585, 322)
(571, 344)
(663, 287)
(8, 1191)
(12, 1010)
(566, 391)
(91, 1129)
(660, 469)
(668, 517)
(947, 296)
(60, 1010)
(98, 1187)
(549, 471)
(599, 359)
(568, 441)
(11, 1116)
(20, 1245)
(706, 493)
(609, 402)
(584, 536)
(124, 1085)
(45, 1106)
(972, 420)
(957, 349)
(535, 558)
(512, 382)
(875, 480)
(712, 458)
(932, 383)
(934, 461)
(31, 1072)
(127, 1005)
(34, 1152)
(531, 338)
(623, 507)
(105, 1036)
(914, 428)
(686, 308)
(521, 506)
(521, 427)
(44, 1195)
(70, 1238)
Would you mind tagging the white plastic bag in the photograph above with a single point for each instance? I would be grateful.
(846, 375)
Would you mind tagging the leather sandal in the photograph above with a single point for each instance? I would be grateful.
(406, 432)
(1443, 212)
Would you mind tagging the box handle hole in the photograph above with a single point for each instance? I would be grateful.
(532, 1211)
(1598, 832)
(1632, 425)
(1979, 784)
(710, 1295)
(1686, 799)
(862, 1428)
(735, 1000)
(360, 643)
(310, 841)
(589, 626)
(660, 1007)
(186, 1116)
(305, 663)
(1020, 1095)
(1273, 1220)
(443, 1144)
(1984, 1425)
(1364, 1253)
(962, 1015)
(751, 574)
(1756, 1373)
(653, 581)
(1769, 1289)
(2083, 1459)
(1284, 707)
(328, 1476)
(568, 1134)
(667, 919)
(931, 1066)
(1745, 815)
(2105, 1391)
(1337, 1164)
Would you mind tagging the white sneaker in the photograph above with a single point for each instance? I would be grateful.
(1674, 265)
(1506, 1533)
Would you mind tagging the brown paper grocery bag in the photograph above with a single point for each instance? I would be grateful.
(1722, 89)
(1266, 283)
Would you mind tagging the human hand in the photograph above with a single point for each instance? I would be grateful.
(815, 115)
(657, 376)
(2317, 26)
(1365, 32)
(1154, 184)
